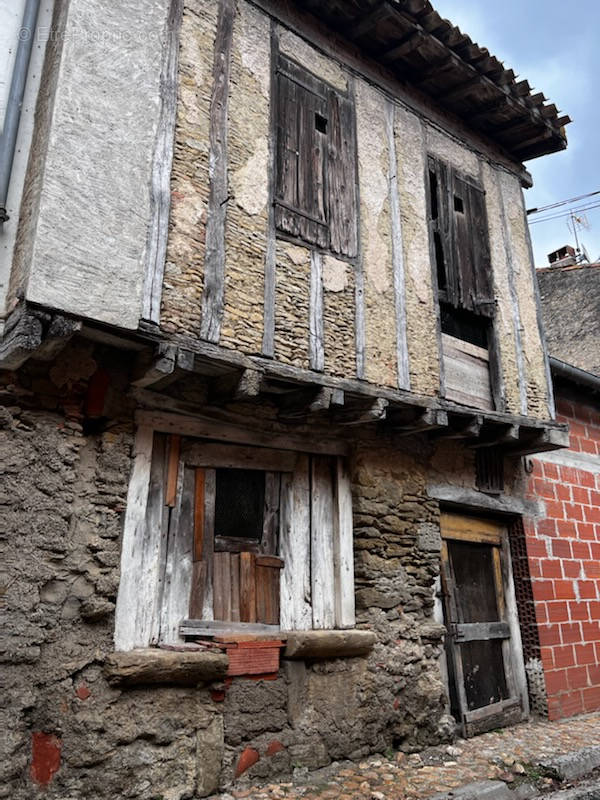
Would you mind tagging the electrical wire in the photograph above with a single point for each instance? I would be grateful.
(565, 215)
(562, 203)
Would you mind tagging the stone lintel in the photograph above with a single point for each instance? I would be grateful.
(479, 501)
(147, 666)
(328, 644)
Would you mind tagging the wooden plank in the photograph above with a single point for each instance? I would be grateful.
(467, 373)
(247, 587)
(199, 514)
(198, 589)
(494, 708)
(268, 341)
(178, 567)
(294, 548)
(222, 586)
(269, 561)
(359, 320)
(473, 529)
(173, 468)
(322, 534)
(267, 593)
(451, 607)
(315, 342)
(143, 548)
(270, 536)
(481, 631)
(402, 365)
(197, 627)
(343, 550)
(341, 175)
(223, 456)
(208, 543)
(162, 161)
(235, 586)
(214, 261)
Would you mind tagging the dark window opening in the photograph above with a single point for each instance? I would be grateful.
(433, 194)
(489, 470)
(439, 262)
(464, 325)
(239, 504)
(458, 204)
(320, 123)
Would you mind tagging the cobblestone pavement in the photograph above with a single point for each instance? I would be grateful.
(501, 755)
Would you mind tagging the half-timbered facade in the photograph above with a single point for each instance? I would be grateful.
(272, 345)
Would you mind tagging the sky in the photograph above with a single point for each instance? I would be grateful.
(555, 45)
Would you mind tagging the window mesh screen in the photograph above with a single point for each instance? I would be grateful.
(239, 503)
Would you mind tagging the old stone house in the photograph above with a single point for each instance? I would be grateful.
(271, 358)
(564, 536)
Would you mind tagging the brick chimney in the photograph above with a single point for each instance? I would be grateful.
(563, 257)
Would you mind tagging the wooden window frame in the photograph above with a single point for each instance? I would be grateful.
(166, 535)
(315, 193)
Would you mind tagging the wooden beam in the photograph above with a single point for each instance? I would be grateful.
(429, 419)
(362, 413)
(236, 387)
(549, 439)
(315, 337)
(458, 92)
(60, 332)
(214, 260)
(211, 454)
(500, 435)
(368, 22)
(465, 428)
(300, 404)
(152, 665)
(405, 46)
(150, 368)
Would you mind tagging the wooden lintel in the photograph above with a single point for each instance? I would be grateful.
(361, 414)
(151, 665)
(429, 419)
(150, 369)
(236, 387)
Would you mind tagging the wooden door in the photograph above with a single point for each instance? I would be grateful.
(480, 656)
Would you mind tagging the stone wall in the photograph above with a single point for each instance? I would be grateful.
(66, 473)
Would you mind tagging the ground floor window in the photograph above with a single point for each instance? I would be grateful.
(220, 536)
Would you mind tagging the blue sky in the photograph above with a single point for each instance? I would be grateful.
(556, 46)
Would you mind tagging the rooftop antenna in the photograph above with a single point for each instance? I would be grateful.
(575, 223)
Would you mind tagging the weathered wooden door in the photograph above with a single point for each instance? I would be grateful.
(480, 655)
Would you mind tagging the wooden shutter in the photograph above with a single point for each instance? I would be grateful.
(300, 204)
(461, 245)
(341, 174)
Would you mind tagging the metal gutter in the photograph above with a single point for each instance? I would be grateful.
(560, 369)
(8, 139)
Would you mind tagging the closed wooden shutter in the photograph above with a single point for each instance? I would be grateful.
(341, 174)
(300, 195)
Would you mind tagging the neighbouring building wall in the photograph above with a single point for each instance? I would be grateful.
(87, 206)
(378, 310)
(563, 544)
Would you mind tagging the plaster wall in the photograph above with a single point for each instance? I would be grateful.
(93, 205)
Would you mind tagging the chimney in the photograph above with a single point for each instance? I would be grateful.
(563, 257)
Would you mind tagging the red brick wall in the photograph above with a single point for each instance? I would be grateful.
(564, 561)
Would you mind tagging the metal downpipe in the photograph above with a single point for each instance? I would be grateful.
(8, 139)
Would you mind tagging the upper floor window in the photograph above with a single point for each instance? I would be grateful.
(315, 189)
(460, 247)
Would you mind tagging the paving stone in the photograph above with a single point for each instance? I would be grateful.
(575, 764)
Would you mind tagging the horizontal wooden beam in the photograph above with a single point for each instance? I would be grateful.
(429, 419)
(404, 46)
(232, 456)
(152, 666)
(549, 439)
(150, 368)
(329, 643)
(361, 413)
(467, 428)
(236, 387)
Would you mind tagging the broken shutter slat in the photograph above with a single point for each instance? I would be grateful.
(267, 590)
(341, 176)
(247, 587)
(222, 586)
(269, 543)
(462, 241)
(445, 230)
(484, 293)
